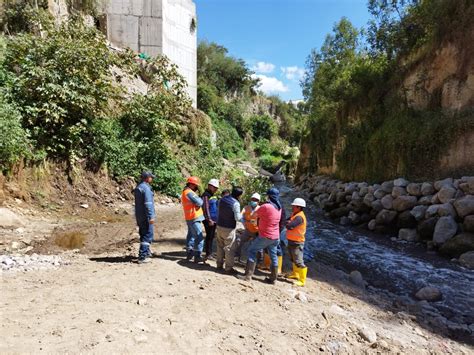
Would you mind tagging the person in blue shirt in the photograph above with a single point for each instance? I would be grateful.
(210, 203)
(145, 215)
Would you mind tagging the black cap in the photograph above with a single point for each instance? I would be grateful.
(237, 192)
(147, 174)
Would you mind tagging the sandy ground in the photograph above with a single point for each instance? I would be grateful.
(103, 302)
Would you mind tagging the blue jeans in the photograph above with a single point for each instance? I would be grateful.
(145, 230)
(194, 238)
(264, 243)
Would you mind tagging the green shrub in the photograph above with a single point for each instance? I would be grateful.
(228, 139)
(269, 162)
(262, 127)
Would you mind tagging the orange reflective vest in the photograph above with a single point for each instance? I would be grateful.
(191, 211)
(297, 234)
(250, 223)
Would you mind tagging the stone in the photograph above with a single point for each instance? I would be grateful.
(429, 293)
(387, 202)
(363, 191)
(385, 217)
(344, 221)
(447, 209)
(141, 301)
(464, 187)
(432, 211)
(372, 225)
(355, 196)
(427, 189)
(406, 220)
(387, 186)
(368, 334)
(414, 189)
(302, 297)
(435, 200)
(9, 219)
(458, 245)
(356, 278)
(350, 188)
(339, 212)
(368, 199)
(377, 205)
(400, 182)
(425, 200)
(441, 183)
(399, 191)
(468, 224)
(379, 193)
(85, 206)
(407, 234)
(426, 228)
(403, 203)
(467, 260)
(464, 206)
(354, 217)
(445, 229)
(418, 212)
(446, 194)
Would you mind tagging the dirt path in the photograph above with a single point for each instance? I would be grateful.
(104, 302)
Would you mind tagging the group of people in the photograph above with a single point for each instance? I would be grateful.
(264, 222)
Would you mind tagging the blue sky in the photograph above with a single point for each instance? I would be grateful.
(275, 36)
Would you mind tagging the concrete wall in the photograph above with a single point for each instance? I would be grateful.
(157, 27)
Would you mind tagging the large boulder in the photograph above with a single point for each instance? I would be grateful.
(377, 205)
(9, 219)
(432, 211)
(447, 209)
(403, 203)
(372, 224)
(458, 245)
(419, 212)
(446, 194)
(379, 193)
(467, 260)
(441, 183)
(400, 182)
(425, 200)
(445, 229)
(407, 234)
(387, 186)
(427, 189)
(387, 202)
(386, 217)
(399, 191)
(429, 293)
(339, 212)
(426, 228)
(464, 206)
(368, 199)
(406, 220)
(468, 224)
(414, 189)
(350, 188)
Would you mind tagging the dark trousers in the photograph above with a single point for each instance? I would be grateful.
(145, 230)
(210, 234)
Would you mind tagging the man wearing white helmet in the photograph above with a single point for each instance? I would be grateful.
(210, 201)
(295, 233)
(250, 224)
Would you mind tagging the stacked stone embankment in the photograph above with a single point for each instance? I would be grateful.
(439, 213)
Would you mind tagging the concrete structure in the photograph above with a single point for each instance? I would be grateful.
(157, 27)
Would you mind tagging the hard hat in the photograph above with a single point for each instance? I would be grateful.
(299, 202)
(256, 196)
(193, 180)
(214, 182)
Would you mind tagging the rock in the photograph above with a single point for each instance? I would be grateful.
(414, 189)
(432, 211)
(427, 189)
(141, 301)
(446, 209)
(429, 293)
(368, 199)
(85, 206)
(363, 191)
(400, 182)
(368, 334)
(387, 186)
(377, 205)
(418, 212)
(350, 188)
(464, 187)
(339, 212)
(467, 260)
(302, 297)
(344, 221)
(441, 183)
(445, 229)
(425, 200)
(435, 200)
(407, 234)
(387, 201)
(20, 230)
(372, 225)
(355, 196)
(385, 217)
(458, 245)
(468, 224)
(426, 228)
(464, 206)
(399, 191)
(9, 219)
(403, 203)
(354, 217)
(356, 278)
(378, 194)
(446, 193)
(406, 220)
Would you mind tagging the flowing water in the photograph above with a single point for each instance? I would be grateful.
(400, 268)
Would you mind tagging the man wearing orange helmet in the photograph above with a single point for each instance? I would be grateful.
(194, 216)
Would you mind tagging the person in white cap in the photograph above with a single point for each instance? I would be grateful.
(295, 233)
(250, 224)
(210, 202)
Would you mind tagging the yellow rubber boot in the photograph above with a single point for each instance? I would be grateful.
(302, 276)
(266, 262)
(280, 264)
(294, 273)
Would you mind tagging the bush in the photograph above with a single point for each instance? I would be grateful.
(262, 127)
(228, 140)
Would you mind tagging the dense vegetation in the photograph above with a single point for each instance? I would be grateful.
(360, 121)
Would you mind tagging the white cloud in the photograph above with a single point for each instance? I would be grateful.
(269, 84)
(262, 67)
(293, 73)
